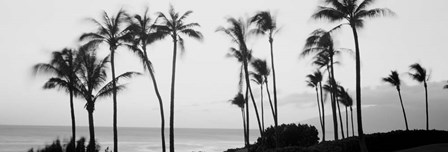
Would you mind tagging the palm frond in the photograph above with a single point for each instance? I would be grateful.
(376, 12)
(46, 68)
(91, 36)
(193, 34)
(238, 100)
(417, 73)
(57, 83)
(393, 79)
(261, 67)
(364, 5)
(328, 13)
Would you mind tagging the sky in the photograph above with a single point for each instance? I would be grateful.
(206, 79)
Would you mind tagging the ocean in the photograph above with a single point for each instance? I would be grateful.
(15, 138)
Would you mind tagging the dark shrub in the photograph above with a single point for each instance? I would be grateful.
(56, 146)
(301, 135)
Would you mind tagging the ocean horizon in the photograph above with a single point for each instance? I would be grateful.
(21, 138)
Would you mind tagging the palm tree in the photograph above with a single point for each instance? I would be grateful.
(394, 80)
(145, 33)
(258, 79)
(332, 88)
(313, 81)
(347, 101)
(354, 12)
(63, 67)
(92, 75)
(239, 101)
(418, 73)
(239, 56)
(267, 25)
(174, 25)
(320, 43)
(238, 32)
(261, 74)
(109, 31)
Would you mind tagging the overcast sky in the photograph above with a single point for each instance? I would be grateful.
(206, 79)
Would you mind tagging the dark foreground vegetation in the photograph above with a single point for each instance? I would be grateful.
(304, 138)
(58, 146)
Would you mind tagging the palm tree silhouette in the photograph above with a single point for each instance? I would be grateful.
(394, 80)
(418, 73)
(347, 101)
(63, 67)
(109, 31)
(239, 56)
(238, 32)
(92, 75)
(260, 76)
(331, 87)
(146, 33)
(239, 101)
(320, 43)
(173, 24)
(314, 81)
(355, 14)
(267, 25)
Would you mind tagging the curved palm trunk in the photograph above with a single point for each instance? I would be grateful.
(252, 97)
(318, 107)
(323, 111)
(340, 118)
(72, 113)
(173, 78)
(156, 89)
(362, 142)
(353, 127)
(114, 96)
(333, 104)
(271, 42)
(92, 144)
(426, 98)
(402, 108)
(269, 96)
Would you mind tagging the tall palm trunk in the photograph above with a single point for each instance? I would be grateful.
(353, 127)
(173, 78)
(333, 102)
(323, 111)
(244, 128)
(247, 115)
(271, 42)
(340, 118)
(362, 142)
(402, 108)
(92, 145)
(72, 113)
(346, 120)
(426, 98)
(114, 96)
(262, 109)
(156, 89)
(318, 107)
(252, 96)
(269, 96)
